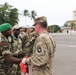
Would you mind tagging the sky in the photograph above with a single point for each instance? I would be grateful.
(56, 11)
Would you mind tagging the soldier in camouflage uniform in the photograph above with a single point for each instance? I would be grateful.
(28, 37)
(29, 40)
(43, 50)
(22, 35)
(6, 57)
(17, 46)
(30, 44)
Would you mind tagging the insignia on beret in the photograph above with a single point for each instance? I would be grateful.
(39, 50)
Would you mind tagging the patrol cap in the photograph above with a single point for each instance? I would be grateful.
(15, 27)
(40, 20)
(4, 27)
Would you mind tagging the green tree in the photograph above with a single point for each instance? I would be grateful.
(73, 26)
(13, 16)
(33, 14)
(26, 13)
(65, 25)
(6, 11)
(54, 28)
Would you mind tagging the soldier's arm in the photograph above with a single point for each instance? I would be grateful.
(6, 53)
(40, 55)
(12, 59)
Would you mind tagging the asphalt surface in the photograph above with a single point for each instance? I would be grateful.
(65, 55)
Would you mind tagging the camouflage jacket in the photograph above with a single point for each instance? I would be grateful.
(16, 44)
(43, 53)
(5, 48)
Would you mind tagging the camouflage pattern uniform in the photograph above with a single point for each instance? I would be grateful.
(30, 43)
(17, 47)
(5, 48)
(27, 39)
(43, 50)
(43, 53)
(16, 44)
(22, 36)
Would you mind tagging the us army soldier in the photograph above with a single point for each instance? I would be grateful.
(43, 50)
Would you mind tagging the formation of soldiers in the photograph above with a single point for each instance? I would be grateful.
(17, 42)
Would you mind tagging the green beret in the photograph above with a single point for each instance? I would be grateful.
(4, 27)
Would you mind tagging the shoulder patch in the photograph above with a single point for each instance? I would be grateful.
(39, 50)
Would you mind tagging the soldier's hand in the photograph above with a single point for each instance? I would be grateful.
(25, 59)
(21, 54)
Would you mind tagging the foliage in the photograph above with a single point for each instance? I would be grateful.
(73, 25)
(14, 16)
(54, 28)
(26, 13)
(65, 25)
(33, 14)
(8, 14)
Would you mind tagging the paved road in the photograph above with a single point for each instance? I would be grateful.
(65, 55)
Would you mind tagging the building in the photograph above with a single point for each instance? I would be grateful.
(72, 23)
(69, 22)
(67, 30)
(74, 15)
